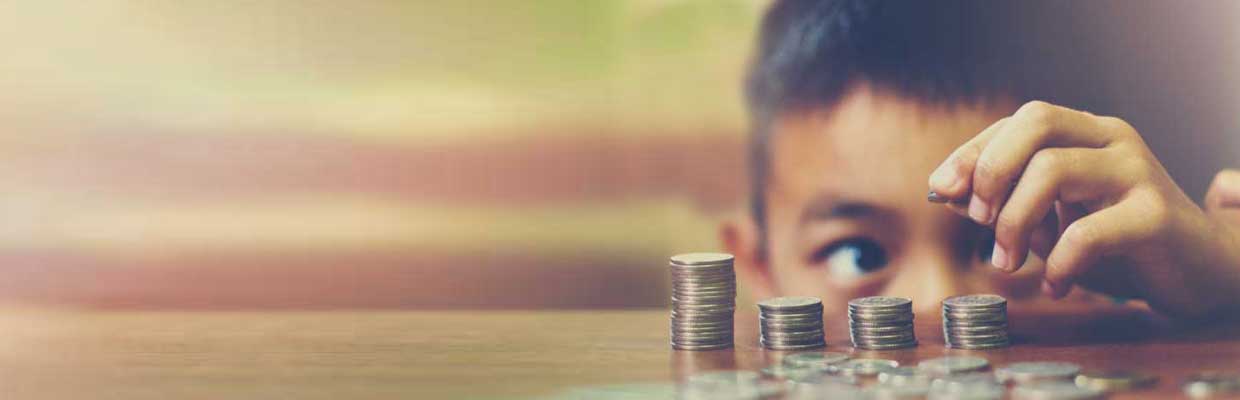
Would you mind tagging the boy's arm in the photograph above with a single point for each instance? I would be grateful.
(1120, 224)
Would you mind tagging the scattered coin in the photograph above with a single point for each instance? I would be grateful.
(1029, 372)
(969, 386)
(866, 366)
(952, 365)
(1209, 384)
(1055, 391)
(881, 323)
(1115, 380)
(975, 322)
(791, 323)
(901, 376)
(824, 390)
(909, 391)
(817, 360)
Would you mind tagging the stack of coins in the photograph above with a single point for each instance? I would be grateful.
(703, 301)
(975, 322)
(791, 323)
(881, 323)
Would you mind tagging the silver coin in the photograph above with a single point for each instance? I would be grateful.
(1025, 372)
(978, 338)
(1209, 384)
(952, 365)
(790, 303)
(822, 359)
(966, 391)
(890, 317)
(690, 347)
(882, 340)
(1054, 391)
(792, 335)
(886, 346)
(725, 376)
(790, 347)
(883, 347)
(701, 258)
(901, 376)
(909, 391)
(975, 301)
(866, 366)
(975, 329)
(1115, 380)
(880, 302)
(790, 372)
(882, 329)
(985, 346)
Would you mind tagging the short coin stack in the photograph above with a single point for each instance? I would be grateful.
(791, 323)
(703, 301)
(881, 323)
(975, 322)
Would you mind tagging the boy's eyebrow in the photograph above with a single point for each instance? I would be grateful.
(831, 206)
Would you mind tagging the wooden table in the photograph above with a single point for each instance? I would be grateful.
(490, 354)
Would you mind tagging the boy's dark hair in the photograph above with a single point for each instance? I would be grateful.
(948, 52)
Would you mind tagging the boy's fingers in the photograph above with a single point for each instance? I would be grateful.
(951, 180)
(1035, 126)
(1107, 231)
(1070, 175)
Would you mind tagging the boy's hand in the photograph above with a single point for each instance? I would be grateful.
(1120, 224)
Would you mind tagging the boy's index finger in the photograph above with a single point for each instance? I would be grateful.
(951, 181)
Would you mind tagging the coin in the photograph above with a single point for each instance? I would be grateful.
(909, 391)
(879, 302)
(1026, 372)
(900, 376)
(1208, 384)
(1054, 391)
(782, 371)
(866, 366)
(952, 365)
(790, 303)
(702, 258)
(820, 360)
(975, 301)
(1115, 380)
(975, 385)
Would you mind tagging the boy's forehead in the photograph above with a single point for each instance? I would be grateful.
(870, 145)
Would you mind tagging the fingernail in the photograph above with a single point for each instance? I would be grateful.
(936, 198)
(943, 178)
(979, 211)
(999, 257)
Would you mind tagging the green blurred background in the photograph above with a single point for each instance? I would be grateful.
(510, 154)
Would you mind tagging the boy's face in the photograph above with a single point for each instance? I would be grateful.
(847, 214)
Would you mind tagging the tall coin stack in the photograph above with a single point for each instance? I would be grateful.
(881, 323)
(975, 322)
(703, 301)
(791, 323)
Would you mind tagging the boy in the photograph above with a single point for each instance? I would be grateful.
(856, 104)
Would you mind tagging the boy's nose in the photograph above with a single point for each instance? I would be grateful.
(928, 280)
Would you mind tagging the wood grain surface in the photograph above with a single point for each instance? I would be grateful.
(497, 354)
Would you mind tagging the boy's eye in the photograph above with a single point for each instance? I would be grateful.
(851, 258)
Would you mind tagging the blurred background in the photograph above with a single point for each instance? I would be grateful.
(417, 154)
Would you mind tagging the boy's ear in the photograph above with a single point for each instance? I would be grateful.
(739, 235)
